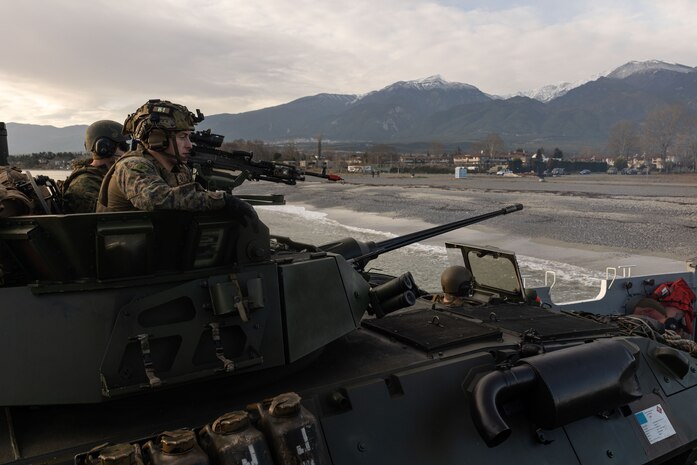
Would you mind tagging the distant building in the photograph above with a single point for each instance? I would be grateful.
(359, 168)
(412, 159)
(480, 163)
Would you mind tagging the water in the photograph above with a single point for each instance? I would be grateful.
(56, 175)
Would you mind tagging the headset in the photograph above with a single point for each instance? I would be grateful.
(150, 132)
(105, 147)
(158, 139)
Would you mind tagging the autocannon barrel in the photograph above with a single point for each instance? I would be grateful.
(361, 253)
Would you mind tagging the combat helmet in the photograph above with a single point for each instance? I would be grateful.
(153, 122)
(103, 137)
(456, 280)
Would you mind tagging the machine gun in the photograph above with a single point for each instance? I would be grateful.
(208, 156)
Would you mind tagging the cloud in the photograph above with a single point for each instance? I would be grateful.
(72, 62)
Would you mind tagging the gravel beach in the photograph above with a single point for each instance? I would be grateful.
(653, 215)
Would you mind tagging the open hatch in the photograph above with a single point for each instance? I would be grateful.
(495, 271)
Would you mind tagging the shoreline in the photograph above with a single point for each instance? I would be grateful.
(592, 257)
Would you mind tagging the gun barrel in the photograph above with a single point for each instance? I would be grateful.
(391, 244)
(329, 177)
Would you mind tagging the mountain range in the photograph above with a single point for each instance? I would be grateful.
(570, 116)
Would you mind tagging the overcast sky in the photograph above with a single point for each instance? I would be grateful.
(67, 62)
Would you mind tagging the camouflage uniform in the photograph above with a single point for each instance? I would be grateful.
(137, 181)
(12, 200)
(81, 189)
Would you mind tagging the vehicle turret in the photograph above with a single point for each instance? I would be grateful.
(164, 298)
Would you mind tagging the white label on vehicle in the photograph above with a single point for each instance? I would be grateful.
(655, 423)
(306, 449)
(252, 455)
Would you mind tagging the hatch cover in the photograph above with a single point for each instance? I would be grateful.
(547, 324)
(432, 330)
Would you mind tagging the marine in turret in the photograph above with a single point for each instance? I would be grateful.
(154, 176)
(105, 142)
(456, 282)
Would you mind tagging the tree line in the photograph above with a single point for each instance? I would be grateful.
(42, 160)
(669, 129)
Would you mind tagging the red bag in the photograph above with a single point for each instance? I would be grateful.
(679, 295)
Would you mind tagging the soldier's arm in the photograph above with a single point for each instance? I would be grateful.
(143, 186)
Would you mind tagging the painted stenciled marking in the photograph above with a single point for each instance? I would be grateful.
(306, 448)
(655, 423)
(252, 455)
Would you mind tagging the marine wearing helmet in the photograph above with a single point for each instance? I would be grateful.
(154, 176)
(157, 121)
(105, 141)
(456, 282)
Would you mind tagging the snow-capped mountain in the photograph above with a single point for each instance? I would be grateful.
(549, 92)
(576, 114)
(634, 67)
(429, 83)
(432, 108)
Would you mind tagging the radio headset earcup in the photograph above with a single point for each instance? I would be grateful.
(157, 139)
(104, 147)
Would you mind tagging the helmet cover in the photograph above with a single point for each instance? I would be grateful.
(159, 114)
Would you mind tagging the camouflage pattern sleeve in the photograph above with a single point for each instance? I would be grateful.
(141, 183)
(82, 193)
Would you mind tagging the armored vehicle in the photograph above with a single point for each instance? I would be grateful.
(182, 338)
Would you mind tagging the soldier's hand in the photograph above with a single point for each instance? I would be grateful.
(240, 209)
